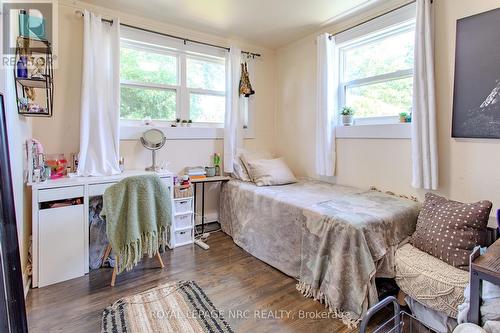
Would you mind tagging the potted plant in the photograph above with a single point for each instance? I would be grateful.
(347, 116)
(402, 117)
(190, 122)
(184, 123)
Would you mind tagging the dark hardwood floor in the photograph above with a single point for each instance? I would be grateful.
(233, 279)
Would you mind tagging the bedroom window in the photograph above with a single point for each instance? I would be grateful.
(376, 73)
(149, 84)
(206, 89)
(165, 80)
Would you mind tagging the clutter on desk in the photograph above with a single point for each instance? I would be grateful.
(196, 172)
(210, 171)
(183, 192)
(182, 187)
(41, 166)
(57, 164)
(36, 162)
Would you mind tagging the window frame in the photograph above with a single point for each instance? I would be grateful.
(385, 26)
(156, 86)
(133, 129)
(201, 91)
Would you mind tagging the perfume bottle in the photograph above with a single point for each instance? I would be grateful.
(22, 67)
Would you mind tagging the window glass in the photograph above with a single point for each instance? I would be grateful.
(381, 56)
(381, 99)
(147, 66)
(207, 108)
(205, 74)
(141, 103)
(162, 82)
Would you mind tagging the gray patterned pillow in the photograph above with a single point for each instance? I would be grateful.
(449, 230)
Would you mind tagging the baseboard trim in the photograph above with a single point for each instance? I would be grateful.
(209, 218)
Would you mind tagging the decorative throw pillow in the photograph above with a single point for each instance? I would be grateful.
(266, 172)
(239, 167)
(239, 170)
(449, 230)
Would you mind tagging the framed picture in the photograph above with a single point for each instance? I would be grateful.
(476, 99)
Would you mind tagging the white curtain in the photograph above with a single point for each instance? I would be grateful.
(233, 128)
(326, 105)
(100, 105)
(423, 126)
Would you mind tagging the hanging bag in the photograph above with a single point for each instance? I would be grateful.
(245, 85)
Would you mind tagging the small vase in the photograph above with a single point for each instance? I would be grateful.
(347, 120)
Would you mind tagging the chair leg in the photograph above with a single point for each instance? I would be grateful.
(115, 270)
(158, 256)
(106, 253)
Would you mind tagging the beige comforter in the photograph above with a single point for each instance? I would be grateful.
(333, 239)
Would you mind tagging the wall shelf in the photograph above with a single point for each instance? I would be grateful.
(34, 92)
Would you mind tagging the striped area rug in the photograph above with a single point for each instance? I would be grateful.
(175, 307)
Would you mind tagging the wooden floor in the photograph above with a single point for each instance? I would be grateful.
(233, 279)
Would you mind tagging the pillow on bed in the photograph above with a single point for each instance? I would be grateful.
(265, 172)
(239, 170)
(239, 167)
(449, 230)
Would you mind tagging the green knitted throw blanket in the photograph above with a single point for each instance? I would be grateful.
(138, 218)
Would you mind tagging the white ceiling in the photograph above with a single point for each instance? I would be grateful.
(268, 23)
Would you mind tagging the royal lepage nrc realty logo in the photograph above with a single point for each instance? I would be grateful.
(28, 28)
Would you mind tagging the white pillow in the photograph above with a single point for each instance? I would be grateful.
(239, 170)
(239, 167)
(265, 172)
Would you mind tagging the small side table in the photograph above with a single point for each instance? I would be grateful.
(483, 267)
(219, 179)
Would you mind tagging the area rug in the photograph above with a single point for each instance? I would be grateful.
(174, 307)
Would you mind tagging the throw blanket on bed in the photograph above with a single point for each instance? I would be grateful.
(333, 239)
(138, 216)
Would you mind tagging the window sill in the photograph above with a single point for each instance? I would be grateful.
(377, 131)
(128, 132)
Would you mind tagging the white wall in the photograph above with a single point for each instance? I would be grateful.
(18, 131)
(60, 134)
(468, 168)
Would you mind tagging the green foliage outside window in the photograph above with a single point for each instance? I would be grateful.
(380, 57)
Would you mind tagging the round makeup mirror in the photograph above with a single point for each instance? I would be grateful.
(153, 140)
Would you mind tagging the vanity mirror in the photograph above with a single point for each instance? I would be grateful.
(153, 140)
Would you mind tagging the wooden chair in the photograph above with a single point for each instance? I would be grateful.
(115, 269)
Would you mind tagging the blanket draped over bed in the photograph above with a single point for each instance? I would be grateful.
(333, 239)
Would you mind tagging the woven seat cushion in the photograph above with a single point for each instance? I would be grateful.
(430, 281)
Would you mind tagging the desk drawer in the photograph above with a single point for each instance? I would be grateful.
(98, 189)
(184, 237)
(183, 221)
(183, 206)
(60, 193)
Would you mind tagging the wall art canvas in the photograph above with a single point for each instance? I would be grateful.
(476, 100)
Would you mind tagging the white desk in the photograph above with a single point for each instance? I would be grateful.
(61, 235)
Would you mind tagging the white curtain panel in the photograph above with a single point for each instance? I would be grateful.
(100, 105)
(233, 136)
(423, 126)
(326, 105)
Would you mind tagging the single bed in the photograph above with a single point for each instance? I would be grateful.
(333, 239)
